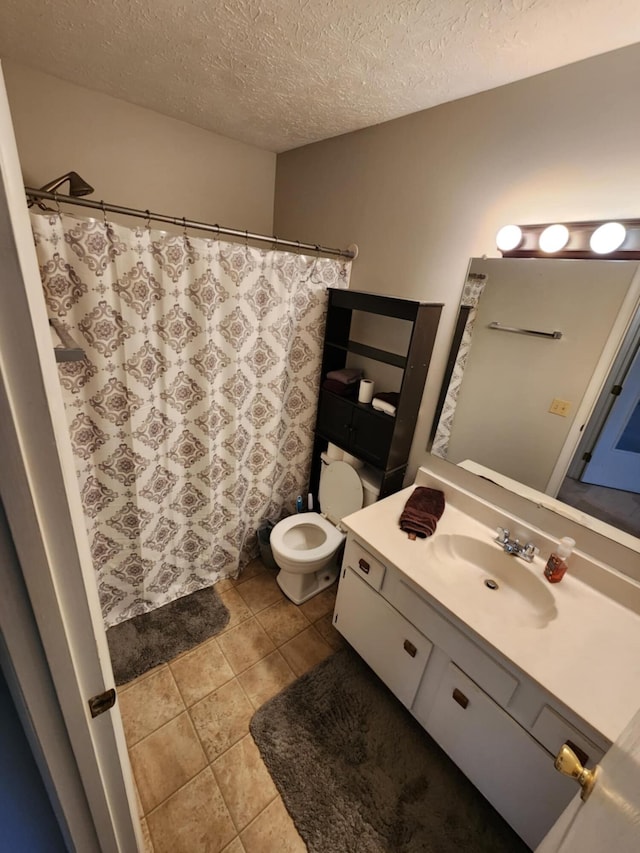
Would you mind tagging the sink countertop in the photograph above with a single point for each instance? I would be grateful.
(588, 656)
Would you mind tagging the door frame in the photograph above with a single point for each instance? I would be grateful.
(627, 316)
(607, 398)
(25, 668)
(41, 499)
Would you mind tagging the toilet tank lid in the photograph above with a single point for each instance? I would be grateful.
(371, 480)
(340, 491)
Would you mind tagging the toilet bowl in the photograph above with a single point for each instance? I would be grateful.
(306, 546)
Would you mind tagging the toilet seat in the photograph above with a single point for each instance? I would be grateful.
(306, 546)
(332, 541)
(340, 495)
(340, 491)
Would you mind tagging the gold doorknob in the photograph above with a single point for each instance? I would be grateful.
(567, 762)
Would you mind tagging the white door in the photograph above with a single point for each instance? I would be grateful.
(610, 819)
(615, 461)
(39, 492)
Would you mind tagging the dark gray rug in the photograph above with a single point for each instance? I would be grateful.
(359, 775)
(139, 644)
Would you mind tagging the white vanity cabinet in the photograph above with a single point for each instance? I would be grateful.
(499, 727)
(498, 755)
(391, 645)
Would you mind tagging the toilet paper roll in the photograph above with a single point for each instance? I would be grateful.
(365, 391)
(334, 452)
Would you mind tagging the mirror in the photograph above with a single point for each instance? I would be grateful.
(535, 341)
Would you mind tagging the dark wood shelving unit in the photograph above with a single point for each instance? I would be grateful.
(380, 440)
(371, 352)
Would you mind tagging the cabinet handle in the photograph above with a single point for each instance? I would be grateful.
(460, 698)
(410, 649)
(366, 568)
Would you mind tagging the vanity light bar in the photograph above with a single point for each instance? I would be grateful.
(604, 239)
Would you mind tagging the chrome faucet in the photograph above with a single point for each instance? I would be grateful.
(514, 546)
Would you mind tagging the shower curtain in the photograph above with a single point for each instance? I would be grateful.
(192, 415)
(471, 293)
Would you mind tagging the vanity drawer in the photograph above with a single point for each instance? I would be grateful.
(552, 730)
(489, 675)
(364, 564)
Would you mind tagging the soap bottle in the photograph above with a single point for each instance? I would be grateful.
(557, 562)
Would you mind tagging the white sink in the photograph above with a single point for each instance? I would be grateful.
(499, 582)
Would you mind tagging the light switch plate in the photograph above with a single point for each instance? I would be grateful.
(560, 407)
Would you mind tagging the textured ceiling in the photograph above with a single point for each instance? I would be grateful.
(282, 73)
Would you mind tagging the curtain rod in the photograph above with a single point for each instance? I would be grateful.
(351, 253)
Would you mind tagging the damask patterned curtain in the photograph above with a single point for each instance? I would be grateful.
(192, 416)
(471, 293)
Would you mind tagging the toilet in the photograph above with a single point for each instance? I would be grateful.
(305, 546)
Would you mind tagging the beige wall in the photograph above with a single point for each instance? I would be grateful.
(135, 157)
(422, 194)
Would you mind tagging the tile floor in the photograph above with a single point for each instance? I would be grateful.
(202, 785)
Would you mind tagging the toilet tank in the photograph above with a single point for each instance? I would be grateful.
(369, 478)
(370, 485)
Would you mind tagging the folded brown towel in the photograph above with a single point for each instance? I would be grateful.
(340, 388)
(346, 375)
(421, 512)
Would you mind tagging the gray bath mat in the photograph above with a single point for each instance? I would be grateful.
(359, 775)
(139, 644)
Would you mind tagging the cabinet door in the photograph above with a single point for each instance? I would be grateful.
(371, 436)
(392, 647)
(502, 760)
(334, 418)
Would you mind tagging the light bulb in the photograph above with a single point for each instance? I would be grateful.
(554, 238)
(509, 237)
(607, 238)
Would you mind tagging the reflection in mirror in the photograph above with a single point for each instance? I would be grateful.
(535, 346)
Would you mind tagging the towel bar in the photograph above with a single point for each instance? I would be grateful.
(500, 328)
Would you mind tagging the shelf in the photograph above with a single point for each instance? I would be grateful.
(364, 407)
(376, 438)
(371, 352)
(375, 303)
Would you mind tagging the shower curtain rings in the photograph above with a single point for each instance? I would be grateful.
(57, 204)
(104, 214)
(147, 220)
(185, 236)
(314, 268)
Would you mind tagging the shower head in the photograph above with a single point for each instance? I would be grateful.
(77, 186)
